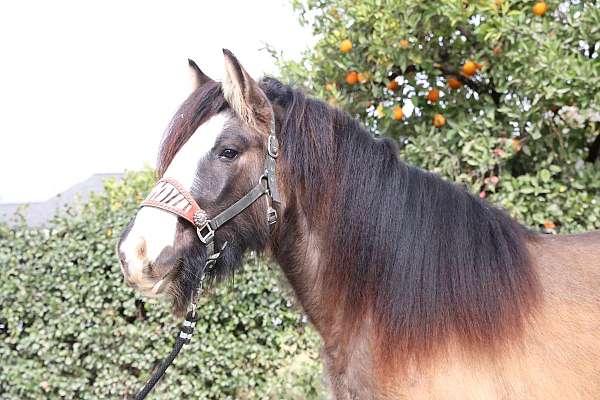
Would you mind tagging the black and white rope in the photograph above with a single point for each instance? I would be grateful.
(187, 327)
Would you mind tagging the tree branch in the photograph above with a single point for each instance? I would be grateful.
(478, 87)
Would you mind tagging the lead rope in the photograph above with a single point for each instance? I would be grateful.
(187, 327)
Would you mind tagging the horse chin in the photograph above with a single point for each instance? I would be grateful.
(179, 298)
(186, 277)
(184, 283)
(159, 289)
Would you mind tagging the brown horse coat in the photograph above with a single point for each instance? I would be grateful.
(556, 356)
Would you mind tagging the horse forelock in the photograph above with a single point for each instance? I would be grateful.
(205, 102)
(428, 261)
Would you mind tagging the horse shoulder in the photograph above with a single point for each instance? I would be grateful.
(558, 355)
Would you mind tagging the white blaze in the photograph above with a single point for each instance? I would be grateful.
(157, 227)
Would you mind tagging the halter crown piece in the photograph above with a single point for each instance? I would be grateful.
(170, 196)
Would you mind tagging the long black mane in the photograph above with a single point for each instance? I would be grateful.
(428, 260)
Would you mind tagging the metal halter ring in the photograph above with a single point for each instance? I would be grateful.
(203, 228)
(205, 232)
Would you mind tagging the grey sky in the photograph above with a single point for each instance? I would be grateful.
(89, 87)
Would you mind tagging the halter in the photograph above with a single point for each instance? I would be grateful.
(170, 196)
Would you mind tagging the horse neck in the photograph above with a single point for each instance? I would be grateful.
(349, 292)
(299, 250)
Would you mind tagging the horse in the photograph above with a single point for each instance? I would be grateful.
(418, 289)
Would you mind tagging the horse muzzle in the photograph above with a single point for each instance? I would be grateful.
(149, 278)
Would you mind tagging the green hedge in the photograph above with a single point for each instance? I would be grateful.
(70, 328)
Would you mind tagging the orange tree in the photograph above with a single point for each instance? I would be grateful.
(502, 96)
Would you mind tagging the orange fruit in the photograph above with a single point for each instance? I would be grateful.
(398, 113)
(469, 68)
(549, 224)
(363, 77)
(540, 8)
(405, 43)
(433, 95)
(345, 46)
(392, 85)
(352, 78)
(439, 120)
(516, 144)
(454, 83)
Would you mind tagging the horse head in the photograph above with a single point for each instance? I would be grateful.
(212, 156)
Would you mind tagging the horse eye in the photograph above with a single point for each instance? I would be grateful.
(229, 153)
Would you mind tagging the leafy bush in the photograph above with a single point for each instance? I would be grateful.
(70, 328)
(521, 128)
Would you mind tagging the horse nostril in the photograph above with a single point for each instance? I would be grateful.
(140, 248)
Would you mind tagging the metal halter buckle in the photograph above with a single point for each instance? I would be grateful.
(205, 232)
(271, 215)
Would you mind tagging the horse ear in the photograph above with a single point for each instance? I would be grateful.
(198, 77)
(244, 95)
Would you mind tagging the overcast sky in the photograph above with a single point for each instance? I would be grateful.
(88, 87)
